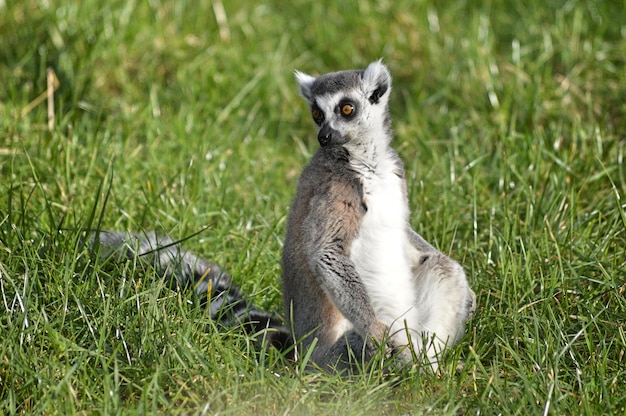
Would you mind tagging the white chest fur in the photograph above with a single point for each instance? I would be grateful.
(379, 251)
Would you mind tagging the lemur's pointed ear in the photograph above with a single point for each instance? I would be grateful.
(377, 82)
(305, 82)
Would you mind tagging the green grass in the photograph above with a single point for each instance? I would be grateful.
(511, 118)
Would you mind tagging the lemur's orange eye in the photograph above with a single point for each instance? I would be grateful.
(347, 109)
(318, 116)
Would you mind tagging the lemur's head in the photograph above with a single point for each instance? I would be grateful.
(349, 106)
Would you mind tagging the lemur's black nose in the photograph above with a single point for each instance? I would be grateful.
(325, 136)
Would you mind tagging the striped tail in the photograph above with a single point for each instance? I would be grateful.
(212, 284)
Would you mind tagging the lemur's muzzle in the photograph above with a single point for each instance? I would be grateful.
(328, 136)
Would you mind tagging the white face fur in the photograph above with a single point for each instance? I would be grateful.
(349, 107)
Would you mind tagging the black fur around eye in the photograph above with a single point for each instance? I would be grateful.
(317, 114)
(346, 109)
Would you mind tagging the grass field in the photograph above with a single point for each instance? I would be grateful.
(176, 116)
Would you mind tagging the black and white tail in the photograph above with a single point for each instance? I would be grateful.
(212, 284)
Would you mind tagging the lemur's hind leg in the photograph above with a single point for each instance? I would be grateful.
(444, 299)
(346, 354)
(350, 354)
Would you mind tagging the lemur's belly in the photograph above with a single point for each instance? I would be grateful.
(379, 252)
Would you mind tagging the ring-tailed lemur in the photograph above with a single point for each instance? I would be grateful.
(214, 287)
(353, 269)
